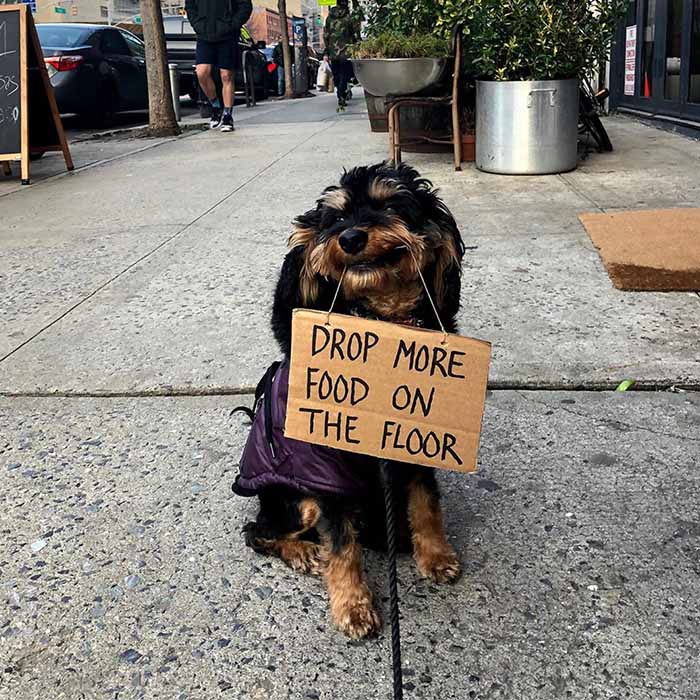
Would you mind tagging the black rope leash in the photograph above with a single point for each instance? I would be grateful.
(387, 480)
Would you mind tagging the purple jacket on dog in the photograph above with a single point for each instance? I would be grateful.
(271, 459)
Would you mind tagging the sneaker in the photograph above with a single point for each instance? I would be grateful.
(215, 120)
(227, 123)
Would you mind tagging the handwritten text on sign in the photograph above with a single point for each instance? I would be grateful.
(386, 390)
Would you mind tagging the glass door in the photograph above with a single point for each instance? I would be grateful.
(658, 58)
(646, 88)
(669, 69)
(692, 88)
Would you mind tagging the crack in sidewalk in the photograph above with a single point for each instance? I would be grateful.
(222, 390)
(581, 193)
(165, 242)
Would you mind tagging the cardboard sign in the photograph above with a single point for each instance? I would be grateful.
(386, 390)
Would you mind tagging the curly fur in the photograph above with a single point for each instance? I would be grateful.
(408, 228)
(397, 208)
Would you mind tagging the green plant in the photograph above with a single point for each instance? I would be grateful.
(395, 45)
(533, 39)
(405, 17)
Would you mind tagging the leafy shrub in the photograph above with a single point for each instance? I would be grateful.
(405, 17)
(533, 39)
(503, 39)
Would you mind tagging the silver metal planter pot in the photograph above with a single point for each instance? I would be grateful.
(398, 76)
(527, 127)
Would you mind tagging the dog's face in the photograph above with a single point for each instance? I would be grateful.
(381, 225)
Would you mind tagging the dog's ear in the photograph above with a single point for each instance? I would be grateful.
(303, 240)
(287, 298)
(449, 251)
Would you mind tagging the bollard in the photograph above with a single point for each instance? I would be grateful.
(175, 88)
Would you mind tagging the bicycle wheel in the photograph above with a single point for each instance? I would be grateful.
(597, 130)
(590, 122)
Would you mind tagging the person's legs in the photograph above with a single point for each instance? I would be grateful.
(226, 55)
(205, 58)
(280, 81)
(336, 69)
(229, 88)
(205, 80)
(227, 80)
(347, 69)
(342, 82)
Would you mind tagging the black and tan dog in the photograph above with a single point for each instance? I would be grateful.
(382, 224)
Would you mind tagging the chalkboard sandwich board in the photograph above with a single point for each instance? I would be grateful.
(29, 119)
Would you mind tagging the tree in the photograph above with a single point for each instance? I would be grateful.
(161, 114)
(286, 50)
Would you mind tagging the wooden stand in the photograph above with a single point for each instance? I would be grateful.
(39, 123)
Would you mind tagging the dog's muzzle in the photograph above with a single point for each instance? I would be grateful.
(352, 241)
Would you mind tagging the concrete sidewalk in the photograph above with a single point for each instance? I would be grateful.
(155, 258)
(138, 285)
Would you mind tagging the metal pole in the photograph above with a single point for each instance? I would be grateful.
(175, 88)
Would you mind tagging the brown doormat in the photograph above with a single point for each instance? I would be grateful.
(649, 250)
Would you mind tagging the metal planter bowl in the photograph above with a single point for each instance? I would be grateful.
(398, 76)
(527, 127)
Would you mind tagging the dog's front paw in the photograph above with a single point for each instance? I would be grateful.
(441, 566)
(357, 618)
(254, 541)
(304, 557)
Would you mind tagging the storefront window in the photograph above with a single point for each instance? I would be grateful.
(648, 48)
(674, 44)
(694, 88)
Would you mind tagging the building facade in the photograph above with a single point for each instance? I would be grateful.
(655, 64)
(89, 11)
(264, 24)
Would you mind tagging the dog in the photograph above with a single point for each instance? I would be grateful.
(379, 230)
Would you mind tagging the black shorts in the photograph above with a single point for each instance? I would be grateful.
(221, 54)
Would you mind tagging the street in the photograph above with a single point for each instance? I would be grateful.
(136, 299)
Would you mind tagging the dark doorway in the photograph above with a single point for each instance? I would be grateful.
(656, 59)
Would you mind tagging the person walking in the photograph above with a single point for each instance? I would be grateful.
(324, 76)
(278, 59)
(342, 29)
(217, 24)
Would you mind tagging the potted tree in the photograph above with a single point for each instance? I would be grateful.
(529, 56)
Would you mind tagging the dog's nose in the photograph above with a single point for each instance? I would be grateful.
(352, 241)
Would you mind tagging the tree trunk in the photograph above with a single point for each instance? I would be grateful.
(161, 114)
(286, 49)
